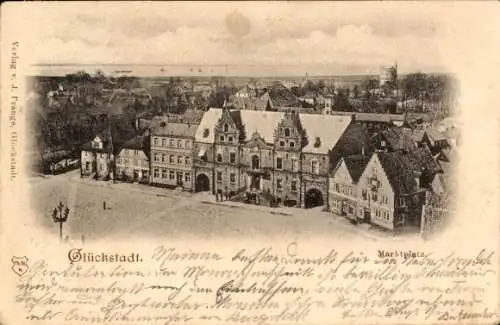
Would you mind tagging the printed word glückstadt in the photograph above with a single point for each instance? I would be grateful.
(77, 255)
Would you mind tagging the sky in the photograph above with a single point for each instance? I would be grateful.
(244, 38)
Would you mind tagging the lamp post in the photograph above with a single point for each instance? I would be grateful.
(60, 215)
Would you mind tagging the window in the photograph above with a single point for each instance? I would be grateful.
(279, 185)
(287, 132)
(282, 143)
(163, 158)
(374, 196)
(187, 177)
(219, 177)
(179, 160)
(317, 142)
(155, 141)
(337, 187)
(163, 173)
(232, 157)
(188, 160)
(279, 163)
(232, 178)
(315, 167)
(294, 186)
(226, 127)
(351, 210)
(171, 174)
(364, 194)
(188, 144)
(402, 201)
(171, 143)
(171, 159)
(163, 142)
(156, 173)
(219, 157)
(179, 144)
(230, 139)
(87, 165)
(221, 138)
(292, 144)
(295, 165)
(136, 152)
(155, 157)
(206, 132)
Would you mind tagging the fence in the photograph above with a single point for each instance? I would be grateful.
(435, 212)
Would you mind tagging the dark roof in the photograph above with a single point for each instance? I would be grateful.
(399, 138)
(253, 103)
(422, 158)
(399, 171)
(184, 130)
(356, 165)
(135, 143)
(353, 141)
(402, 168)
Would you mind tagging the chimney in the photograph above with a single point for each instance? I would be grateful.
(353, 117)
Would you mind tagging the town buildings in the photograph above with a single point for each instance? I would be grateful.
(98, 156)
(374, 175)
(172, 154)
(281, 156)
(132, 162)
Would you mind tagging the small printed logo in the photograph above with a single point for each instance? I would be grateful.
(75, 255)
(20, 265)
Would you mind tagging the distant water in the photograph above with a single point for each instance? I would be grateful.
(143, 70)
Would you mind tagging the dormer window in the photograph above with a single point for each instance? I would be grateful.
(317, 142)
(287, 132)
(206, 132)
(226, 127)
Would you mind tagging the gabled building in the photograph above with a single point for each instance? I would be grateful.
(283, 156)
(392, 190)
(204, 154)
(98, 155)
(343, 194)
(132, 162)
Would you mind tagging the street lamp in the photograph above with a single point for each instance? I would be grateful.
(60, 215)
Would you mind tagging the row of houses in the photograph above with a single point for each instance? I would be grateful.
(302, 160)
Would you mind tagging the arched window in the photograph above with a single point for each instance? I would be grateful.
(255, 162)
(226, 127)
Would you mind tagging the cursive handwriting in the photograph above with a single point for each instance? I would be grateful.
(265, 286)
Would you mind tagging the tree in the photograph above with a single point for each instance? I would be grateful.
(355, 92)
(341, 102)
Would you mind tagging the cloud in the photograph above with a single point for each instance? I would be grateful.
(277, 34)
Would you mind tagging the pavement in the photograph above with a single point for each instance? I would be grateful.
(189, 206)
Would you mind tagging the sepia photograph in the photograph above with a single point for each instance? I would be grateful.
(364, 145)
(249, 163)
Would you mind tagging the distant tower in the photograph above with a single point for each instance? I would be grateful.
(387, 74)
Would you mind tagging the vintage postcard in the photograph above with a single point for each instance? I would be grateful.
(263, 163)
